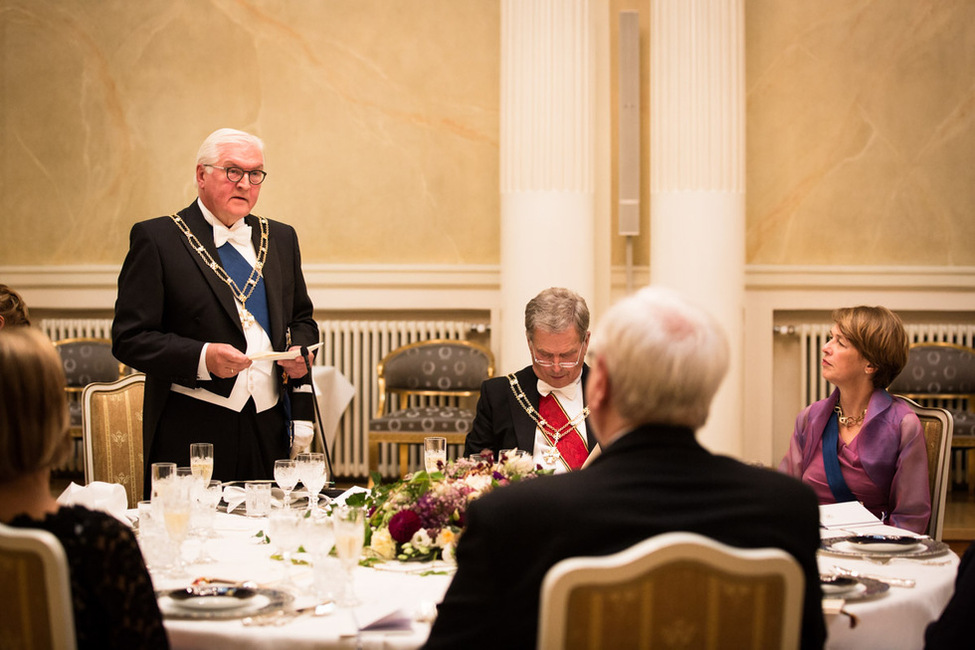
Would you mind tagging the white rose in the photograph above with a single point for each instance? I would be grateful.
(382, 543)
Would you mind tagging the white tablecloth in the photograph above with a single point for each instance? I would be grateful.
(897, 618)
(241, 556)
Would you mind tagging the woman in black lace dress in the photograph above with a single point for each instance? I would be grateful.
(114, 603)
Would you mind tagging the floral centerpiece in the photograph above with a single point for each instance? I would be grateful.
(421, 517)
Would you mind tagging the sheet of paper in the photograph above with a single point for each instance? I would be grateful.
(277, 356)
(846, 514)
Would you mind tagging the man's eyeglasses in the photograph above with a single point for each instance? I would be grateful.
(234, 174)
(546, 360)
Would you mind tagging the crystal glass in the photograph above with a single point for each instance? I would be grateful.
(160, 472)
(311, 471)
(201, 460)
(203, 515)
(434, 453)
(350, 533)
(286, 476)
(175, 500)
(283, 532)
(257, 498)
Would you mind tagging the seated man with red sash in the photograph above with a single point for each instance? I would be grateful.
(542, 408)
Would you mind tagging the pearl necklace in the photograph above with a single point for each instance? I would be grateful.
(240, 294)
(849, 420)
(546, 428)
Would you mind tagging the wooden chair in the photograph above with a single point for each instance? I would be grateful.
(943, 375)
(112, 430)
(438, 368)
(36, 597)
(673, 590)
(937, 424)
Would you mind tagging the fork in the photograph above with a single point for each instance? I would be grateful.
(907, 583)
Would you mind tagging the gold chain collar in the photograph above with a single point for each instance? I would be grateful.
(546, 428)
(251, 284)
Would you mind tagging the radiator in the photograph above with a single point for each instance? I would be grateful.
(354, 348)
(812, 337)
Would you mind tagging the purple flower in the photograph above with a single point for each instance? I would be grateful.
(403, 524)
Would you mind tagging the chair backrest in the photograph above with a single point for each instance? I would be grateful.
(674, 590)
(436, 367)
(36, 597)
(112, 432)
(88, 360)
(938, 432)
(937, 371)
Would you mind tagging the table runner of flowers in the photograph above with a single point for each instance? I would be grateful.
(421, 517)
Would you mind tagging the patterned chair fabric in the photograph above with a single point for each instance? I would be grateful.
(944, 371)
(937, 369)
(85, 360)
(429, 369)
(36, 595)
(112, 428)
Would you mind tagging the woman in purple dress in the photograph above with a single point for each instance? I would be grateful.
(860, 443)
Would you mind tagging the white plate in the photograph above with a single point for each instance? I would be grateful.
(210, 603)
(883, 544)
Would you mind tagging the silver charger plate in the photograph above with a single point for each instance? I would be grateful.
(859, 589)
(924, 548)
(219, 606)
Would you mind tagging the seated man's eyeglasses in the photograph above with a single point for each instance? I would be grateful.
(234, 174)
(546, 360)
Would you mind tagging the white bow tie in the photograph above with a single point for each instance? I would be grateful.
(568, 392)
(240, 235)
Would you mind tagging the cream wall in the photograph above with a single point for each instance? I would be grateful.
(380, 120)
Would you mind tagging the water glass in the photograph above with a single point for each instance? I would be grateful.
(434, 453)
(160, 472)
(311, 471)
(286, 476)
(257, 497)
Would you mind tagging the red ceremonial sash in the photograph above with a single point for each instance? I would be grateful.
(570, 445)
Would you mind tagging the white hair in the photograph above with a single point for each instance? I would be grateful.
(209, 153)
(665, 358)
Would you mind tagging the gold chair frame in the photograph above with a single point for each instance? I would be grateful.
(677, 586)
(406, 438)
(938, 431)
(36, 596)
(112, 431)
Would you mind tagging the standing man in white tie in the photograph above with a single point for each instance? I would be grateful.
(542, 408)
(204, 292)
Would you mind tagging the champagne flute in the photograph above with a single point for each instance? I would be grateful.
(434, 454)
(201, 460)
(311, 470)
(203, 515)
(350, 533)
(286, 476)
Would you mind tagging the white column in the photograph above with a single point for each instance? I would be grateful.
(697, 176)
(547, 149)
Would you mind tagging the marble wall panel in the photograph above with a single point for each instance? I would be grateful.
(380, 120)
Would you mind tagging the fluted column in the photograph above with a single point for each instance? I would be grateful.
(547, 149)
(697, 176)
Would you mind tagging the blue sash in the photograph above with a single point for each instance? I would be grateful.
(831, 462)
(239, 270)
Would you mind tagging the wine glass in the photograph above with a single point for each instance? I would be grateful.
(203, 515)
(311, 470)
(201, 460)
(286, 476)
(350, 533)
(283, 531)
(175, 498)
(434, 453)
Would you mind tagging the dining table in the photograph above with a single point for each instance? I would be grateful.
(893, 583)
(397, 601)
(896, 594)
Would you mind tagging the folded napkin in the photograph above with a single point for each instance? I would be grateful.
(97, 495)
(233, 496)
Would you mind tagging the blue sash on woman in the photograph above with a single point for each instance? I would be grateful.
(831, 462)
